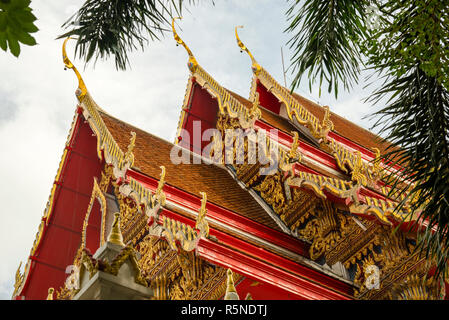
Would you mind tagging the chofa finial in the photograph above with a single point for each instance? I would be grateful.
(82, 90)
(192, 64)
(256, 67)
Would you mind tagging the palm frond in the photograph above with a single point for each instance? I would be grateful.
(412, 54)
(326, 41)
(117, 27)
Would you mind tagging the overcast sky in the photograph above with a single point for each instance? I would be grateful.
(37, 100)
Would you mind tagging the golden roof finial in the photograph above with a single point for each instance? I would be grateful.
(115, 236)
(256, 67)
(82, 90)
(50, 293)
(201, 222)
(192, 64)
(231, 293)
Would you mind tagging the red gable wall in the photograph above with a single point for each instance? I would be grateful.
(204, 108)
(61, 237)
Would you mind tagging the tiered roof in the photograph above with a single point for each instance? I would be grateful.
(262, 227)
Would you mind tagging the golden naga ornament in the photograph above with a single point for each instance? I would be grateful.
(201, 223)
(192, 63)
(357, 172)
(255, 110)
(326, 125)
(377, 167)
(293, 153)
(159, 195)
(129, 156)
(19, 280)
(82, 90)
(256, 66)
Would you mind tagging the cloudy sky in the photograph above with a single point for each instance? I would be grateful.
(37, 100)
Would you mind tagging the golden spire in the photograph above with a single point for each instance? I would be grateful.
(116, 235)
(256, 67)
(129, 156)
(249, 296)
(82, 90)
(201, 222)
(192, 64)
(293, 153)
(50, 293)
(231, 293)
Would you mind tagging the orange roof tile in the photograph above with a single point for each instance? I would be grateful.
(151, 152)
(345, 127)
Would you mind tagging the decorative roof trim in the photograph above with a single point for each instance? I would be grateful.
(227, 104)
(320, 130)
(97, 194)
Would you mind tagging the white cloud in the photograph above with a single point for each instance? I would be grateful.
(149, 96)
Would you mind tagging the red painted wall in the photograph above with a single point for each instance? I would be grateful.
(62, 236)
(267, 99)
(203, 107)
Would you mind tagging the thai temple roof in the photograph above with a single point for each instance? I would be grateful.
(307, 231)
(222, 189)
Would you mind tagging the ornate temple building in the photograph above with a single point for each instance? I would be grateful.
(132, 216)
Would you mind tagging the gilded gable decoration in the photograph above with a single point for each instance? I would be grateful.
(97, 195)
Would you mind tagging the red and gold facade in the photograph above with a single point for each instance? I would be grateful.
(313, 229)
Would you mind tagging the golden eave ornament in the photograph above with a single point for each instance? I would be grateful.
(82, 90)
(201, 223)
(50, 293)
(256, 66)
(192, 64)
